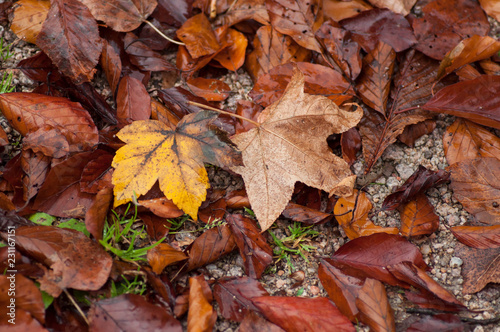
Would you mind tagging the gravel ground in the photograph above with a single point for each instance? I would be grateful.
(395, 166)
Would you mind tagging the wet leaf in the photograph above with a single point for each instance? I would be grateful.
(198, 36)
(254, 322)
(74, 260)
(443, 25)
(319, 80)
(26, 296)
(338, 10)
(95, 216)
(130, 312)
(292, 134)
(375, 80)
(111, 65)
(210, 89)
(421, 180)
(144, 57)
(480, 267)
(305, 215)
(272, 49)
(29, 112)
(70, 38)
(480, 237)
(175, 158)
(35, 167)
(232, 57)
(210, 246)
(440, 322)
(234, 296)
(380, 25)
(302, 314)
(402, 7)
(121, 15)
(491, 7)
(374, 308)
(133, 102)
(29, 16)
(253, 247)
(476, 184)
(358, 224)
(47, 141)
(164, 255)
(299, 20)
(467, 51)
(201, 315)
(466, 140)
(418, 217)
(162, 207)
(244, 10)
(97, 172)
(369, 256)
(417, 130)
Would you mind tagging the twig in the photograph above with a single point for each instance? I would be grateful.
(162, 34)
(223, 112)
(76, 306)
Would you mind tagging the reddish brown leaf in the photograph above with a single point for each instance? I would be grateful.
(476, 184)
(49, 142)
(35, 166)
(249, 110)
(305, 214)
(210, 89)
(342, 289)
(19, 293)
(132, 101)
(254, 322)
(95, 217)
(244, 10)
(344, 51)
(415, 276)
(338, 10)
(375, 80)
(111, 65)
(272, 49)
(121, 15)
(466, 140)
(380, 25)
(299, 20)
(130, 312)
(75, 261)
(162, 207)
(201, 315)
(440, 322)
(234, 296)
(421, 180)
(188, 65)
(444, 24)
(237, 199)
(480, 267)
(23, 322)
(417, 130)
(143, 57)
(374, 308)
(198, 36)
(255, 251)
(164, 255)
(480, 237)
(231, 57)
(210, 246)
(295, 314)
(97, 173)
(350, 142)
(28, 112)
(156, 227)
(319, 80)
(71, 39)
(418, 217)
(369, 256)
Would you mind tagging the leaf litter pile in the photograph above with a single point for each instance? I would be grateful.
(123, 213)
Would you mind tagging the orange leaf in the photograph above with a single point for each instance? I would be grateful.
(374, 308)
(164, 255)
(201, 315)
(198, 36)
(29, 16)
(210, 89)
(418, 217)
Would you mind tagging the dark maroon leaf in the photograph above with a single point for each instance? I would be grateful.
(143, 57)
(254, 322)
(350, 143)
(417, 130)
(419, 182)
(305, 214)
(9, 220)
(440, 322)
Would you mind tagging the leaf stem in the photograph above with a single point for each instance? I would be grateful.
(223, 112)
(162, 34)
(80, 311)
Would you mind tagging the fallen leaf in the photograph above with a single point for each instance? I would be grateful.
(164, 255)
(417, 130)
(256, 253)
(369, 256)
(210, 89)
(129, 312)
(295, 314)
(162, 207)
(440, 322)
(23, 295)
(254, 322)
(467, 51)
(234, 296)
(319, 80)
(299, 20)
(290, 146)
(70, 38)
(175, 158)
(244, 10)
(75, 261)
(491, 7)
(132, 101)
(121, 15)
(480, 237)
(23, 322)
(421, 180)
(443, 25)
(157, 227)
(95, 216)
(350, 142)
(338, 10)
(358, 224)
(47, 141)
(201, 315)
(28, 112)
(418, 217)
(374, 308)
(111, 65)
(476, 184)
(466, 140)
(402, 7)
(380, 25)
(305, 215)
(480, 267)
(271, 49)
(198, 36)
(375, 81)
(144, 57)
(232, 57)
(96, 174)
(35, 166)
(29, 16)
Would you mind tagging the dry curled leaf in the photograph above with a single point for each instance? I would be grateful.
(289, 145)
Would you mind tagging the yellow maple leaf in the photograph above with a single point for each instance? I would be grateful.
(173, 157)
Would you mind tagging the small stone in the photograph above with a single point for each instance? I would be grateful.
(405, 171)
(456, 262)
(314, 290)
(280, 283)
(425, 249)
(281, 272)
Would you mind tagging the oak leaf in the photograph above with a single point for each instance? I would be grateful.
(289, 145)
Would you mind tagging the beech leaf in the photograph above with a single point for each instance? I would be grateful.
(290, 146)
(480, 267)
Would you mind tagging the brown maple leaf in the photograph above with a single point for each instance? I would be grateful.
(289, 145)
